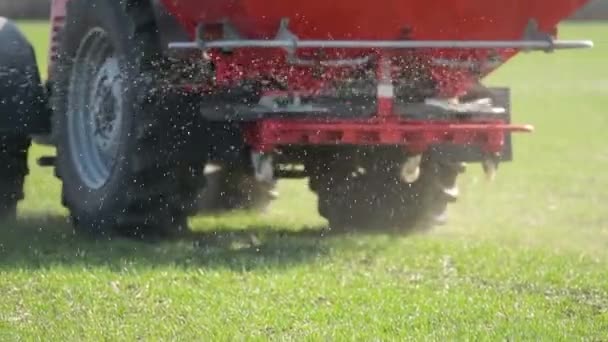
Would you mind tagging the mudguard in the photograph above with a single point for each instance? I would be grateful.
(24, 107)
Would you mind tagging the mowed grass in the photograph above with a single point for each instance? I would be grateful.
(523, 258)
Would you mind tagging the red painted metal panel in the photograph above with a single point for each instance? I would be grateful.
(414, 136)
(389, 20)
(58, 9)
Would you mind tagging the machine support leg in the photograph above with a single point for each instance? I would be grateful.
(386, 92)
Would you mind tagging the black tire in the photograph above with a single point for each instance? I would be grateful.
(157, 169)
(232, 189)
(378, 199)
(23, 112)
(13, 157)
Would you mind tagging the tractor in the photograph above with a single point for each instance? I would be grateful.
(164, 109)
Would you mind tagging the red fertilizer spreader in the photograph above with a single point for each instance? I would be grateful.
(163, 109)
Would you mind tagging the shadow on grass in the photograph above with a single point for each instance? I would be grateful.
(40, 242)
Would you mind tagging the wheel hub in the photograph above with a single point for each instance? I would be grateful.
(95, 111)
(106, 109)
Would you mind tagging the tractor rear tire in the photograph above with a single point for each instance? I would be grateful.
(378, 199)
(13, 157)
(128, 147)
(23, 112)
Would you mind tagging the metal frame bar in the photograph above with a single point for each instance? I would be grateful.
(533, 39)
(545, 45)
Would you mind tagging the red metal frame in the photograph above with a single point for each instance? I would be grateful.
(415, 136)
(58, 9)
(385, 128)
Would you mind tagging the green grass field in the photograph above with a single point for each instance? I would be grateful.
(523, 258)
